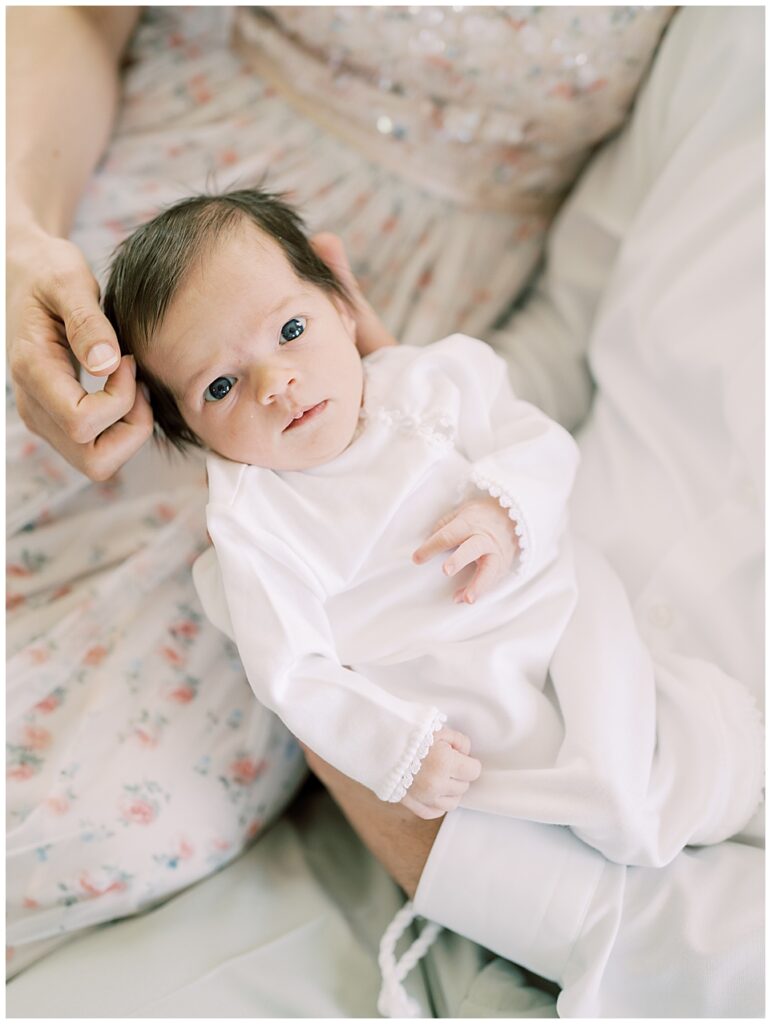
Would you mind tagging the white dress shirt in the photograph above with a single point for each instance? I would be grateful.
(656, 268)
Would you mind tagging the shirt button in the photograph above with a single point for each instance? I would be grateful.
(661, 616)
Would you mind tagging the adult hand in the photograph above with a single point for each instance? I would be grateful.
(371, 332)
(394, 835)
(53, 314)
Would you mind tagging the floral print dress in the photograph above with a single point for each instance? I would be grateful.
(438, 142)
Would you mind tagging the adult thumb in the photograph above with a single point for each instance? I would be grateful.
(90, 335)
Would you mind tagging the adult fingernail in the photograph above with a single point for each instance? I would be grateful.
(133, 365)
(100, 357)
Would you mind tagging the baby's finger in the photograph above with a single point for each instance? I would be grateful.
(445, 519)
(457, 740)
(450, 535)
(420, 809)
(455, 788)
(444, 804)
(466, 769)
(469, 551)
(486, 575)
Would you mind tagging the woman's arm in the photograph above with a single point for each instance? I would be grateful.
(63, 90)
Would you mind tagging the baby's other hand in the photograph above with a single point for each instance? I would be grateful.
(482, 532)
(445, 774)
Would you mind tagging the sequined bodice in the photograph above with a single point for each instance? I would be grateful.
(495, 106)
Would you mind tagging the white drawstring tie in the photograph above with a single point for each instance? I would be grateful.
(393, 1000)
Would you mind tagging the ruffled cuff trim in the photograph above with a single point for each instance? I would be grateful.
(402, 777)
(514, 512)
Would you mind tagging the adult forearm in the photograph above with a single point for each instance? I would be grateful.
(62, 94)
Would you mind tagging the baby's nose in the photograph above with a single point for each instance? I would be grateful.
(273, 384)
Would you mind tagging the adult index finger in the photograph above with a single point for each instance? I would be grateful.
(116, 445)
(100, 459)
(50, 379)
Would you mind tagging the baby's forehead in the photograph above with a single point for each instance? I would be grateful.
(244, 235)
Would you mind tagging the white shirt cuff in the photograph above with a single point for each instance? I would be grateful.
(519, 888)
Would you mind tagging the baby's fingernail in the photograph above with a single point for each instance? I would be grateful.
(447, 569)
(133, 364)
(101, 356)
(470, 598)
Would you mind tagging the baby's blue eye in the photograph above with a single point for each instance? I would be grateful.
(292, 329)
(218, 388)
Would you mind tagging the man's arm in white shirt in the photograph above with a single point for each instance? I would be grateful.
(687, 939)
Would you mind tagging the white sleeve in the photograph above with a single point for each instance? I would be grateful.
(276, 616)
(685, 940)
(519, 455)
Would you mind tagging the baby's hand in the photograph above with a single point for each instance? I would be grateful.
(445, 774)
(483, 533)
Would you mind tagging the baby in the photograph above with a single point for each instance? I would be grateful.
(335, 481)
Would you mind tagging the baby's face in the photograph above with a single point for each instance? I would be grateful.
(263, 365)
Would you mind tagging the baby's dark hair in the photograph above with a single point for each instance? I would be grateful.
(150, 265)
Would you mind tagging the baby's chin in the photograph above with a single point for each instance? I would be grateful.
(308, 459)
(286, 457)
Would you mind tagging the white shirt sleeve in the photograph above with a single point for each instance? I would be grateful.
(685, 940)
(276, 616)
(519, 455)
